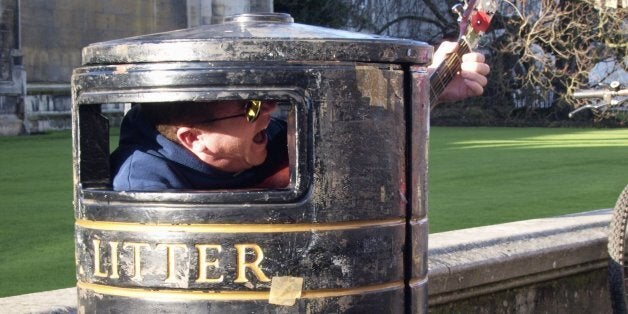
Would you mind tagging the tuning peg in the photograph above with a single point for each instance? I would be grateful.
(458, 9)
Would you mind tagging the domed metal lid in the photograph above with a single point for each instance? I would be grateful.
(258, 37)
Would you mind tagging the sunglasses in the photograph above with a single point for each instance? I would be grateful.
(251, 112)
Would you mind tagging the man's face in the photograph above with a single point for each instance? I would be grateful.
(235, 144)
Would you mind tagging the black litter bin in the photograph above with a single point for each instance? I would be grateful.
(349, 234)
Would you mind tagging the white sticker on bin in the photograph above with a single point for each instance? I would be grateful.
(285, 290)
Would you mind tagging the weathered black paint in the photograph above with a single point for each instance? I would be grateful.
(354, 215)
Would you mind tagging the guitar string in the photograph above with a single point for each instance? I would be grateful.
(451, 66)
(446, 71)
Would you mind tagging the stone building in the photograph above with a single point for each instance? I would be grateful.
(12, 74)
(41, 42)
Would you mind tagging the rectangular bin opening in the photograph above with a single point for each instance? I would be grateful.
(270, 132)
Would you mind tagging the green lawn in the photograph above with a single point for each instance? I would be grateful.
(36, 229)
(483, 176)
(478, 176)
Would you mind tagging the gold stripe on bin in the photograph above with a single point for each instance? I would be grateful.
(237, 228)
(222, 295)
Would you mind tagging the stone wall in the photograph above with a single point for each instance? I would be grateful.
(551, 265)
(12, 75)
(55, 31)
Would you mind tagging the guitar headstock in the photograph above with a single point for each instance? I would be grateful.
(474, 17)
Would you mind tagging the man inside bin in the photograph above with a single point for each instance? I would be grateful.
(229, 144)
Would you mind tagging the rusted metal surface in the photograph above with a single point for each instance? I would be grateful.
(353, 222)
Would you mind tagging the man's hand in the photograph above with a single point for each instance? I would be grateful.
(471, 79)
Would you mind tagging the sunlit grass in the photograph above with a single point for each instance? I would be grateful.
(483, 176)
(576, 139)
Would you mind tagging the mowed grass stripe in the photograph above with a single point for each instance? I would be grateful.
(483, 176)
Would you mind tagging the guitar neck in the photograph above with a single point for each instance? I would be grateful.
(446, 71)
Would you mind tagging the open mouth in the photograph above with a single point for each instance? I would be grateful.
(260, 137)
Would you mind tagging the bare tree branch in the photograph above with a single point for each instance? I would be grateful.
(406, 17)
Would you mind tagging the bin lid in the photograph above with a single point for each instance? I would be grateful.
(258, 37)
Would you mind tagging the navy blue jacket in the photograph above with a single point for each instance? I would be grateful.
(147, 161)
